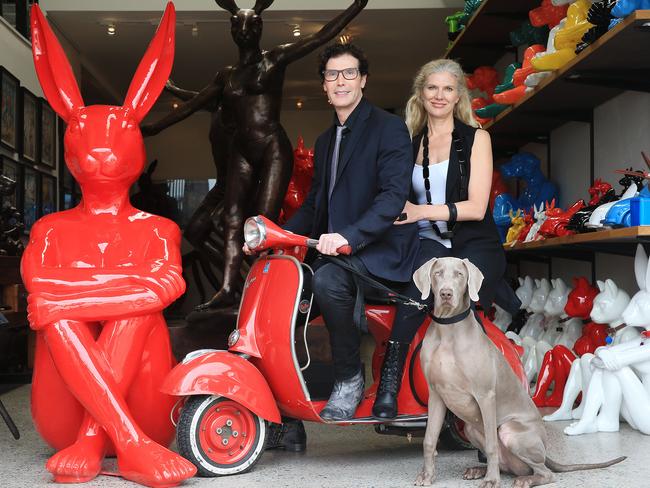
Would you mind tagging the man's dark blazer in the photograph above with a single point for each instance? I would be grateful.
(372, 184)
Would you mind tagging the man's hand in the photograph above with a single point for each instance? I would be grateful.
(329, 243)
(413, 214)
(251, 252)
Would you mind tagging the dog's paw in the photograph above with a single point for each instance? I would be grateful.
(490, 484)
(475, 473)
(424, 478)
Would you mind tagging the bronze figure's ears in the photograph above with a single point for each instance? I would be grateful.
(262, 5)
(228, 5)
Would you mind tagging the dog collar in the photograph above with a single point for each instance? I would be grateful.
(451, 320)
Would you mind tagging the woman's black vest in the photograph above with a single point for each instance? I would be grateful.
(469, 231)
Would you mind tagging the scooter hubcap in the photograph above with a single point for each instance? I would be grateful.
(227, 432)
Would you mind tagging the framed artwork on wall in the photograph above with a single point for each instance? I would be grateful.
(11, 169)
(48, 194)
(9, 98)
(30, 144)
(31, 190)
(48, 135)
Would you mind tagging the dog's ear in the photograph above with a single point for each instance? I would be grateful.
(474, 279)
(422, 278)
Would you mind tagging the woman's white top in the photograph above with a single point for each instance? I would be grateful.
(438, 182)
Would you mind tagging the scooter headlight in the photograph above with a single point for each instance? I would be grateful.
(254, 232)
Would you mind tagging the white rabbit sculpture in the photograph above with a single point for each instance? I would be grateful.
(620, 382)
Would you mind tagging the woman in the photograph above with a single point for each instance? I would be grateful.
(449, 201)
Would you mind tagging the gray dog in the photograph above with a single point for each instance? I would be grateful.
(469, 376)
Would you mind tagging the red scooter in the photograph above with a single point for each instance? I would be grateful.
(230, 396)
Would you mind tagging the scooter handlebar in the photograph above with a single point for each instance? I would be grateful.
(346, 250)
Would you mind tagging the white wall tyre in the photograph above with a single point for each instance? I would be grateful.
(220, 436)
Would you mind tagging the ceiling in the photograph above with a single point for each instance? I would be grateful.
(396, 41)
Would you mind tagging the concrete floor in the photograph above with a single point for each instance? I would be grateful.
(348, 457)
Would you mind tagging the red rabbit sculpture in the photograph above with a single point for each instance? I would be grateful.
(99, 276)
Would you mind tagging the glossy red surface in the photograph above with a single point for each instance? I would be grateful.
(303, 171)
(581, 299)
(224, 447)
(226, 374)
(555, 369)
(547, 14)
(557, 219)
(98, 278)
(512, 96)
(510, 351)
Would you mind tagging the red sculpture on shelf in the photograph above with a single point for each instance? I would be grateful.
(547, 14)
(498, 187)
(303, 171)
(99, 276)
(598, 190)
(557, 219)
(512, 96)
(528, 223)
(485, 79)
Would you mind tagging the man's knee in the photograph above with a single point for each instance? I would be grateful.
(331, 282)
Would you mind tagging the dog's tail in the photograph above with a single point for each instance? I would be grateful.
(566, 468)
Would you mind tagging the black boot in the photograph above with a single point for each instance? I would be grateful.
(385, 406)
(290, 435)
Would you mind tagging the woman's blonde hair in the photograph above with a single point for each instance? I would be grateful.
(416, 114)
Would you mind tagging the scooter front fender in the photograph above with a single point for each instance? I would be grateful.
(226, 374)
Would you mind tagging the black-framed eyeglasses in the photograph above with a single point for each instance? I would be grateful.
(333, 74)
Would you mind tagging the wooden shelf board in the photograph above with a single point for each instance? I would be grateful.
(561, 98)
(486, 35)
(626, 235)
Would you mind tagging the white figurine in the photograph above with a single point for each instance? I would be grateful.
(502, 318)
(525, 291)
(608, 308)
(615, 387)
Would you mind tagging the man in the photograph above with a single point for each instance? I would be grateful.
(362, 176)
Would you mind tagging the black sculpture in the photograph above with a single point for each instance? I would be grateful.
(252, 153)
(600, 16)
(152, 197)
(11, 225)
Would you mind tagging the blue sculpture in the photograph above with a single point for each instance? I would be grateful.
(539, 190)
(623, 8)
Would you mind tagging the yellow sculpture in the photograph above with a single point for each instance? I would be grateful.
(575, 26)
(517, 223)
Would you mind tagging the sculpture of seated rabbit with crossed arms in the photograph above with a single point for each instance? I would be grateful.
(99, 276)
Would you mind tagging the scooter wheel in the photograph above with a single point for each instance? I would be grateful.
(452, 435)
(220, 436)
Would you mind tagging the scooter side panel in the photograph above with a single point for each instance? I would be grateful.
(226, 374)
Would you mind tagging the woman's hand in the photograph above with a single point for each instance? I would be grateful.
(413, 214)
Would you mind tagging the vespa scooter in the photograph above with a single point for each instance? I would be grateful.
(229, 397)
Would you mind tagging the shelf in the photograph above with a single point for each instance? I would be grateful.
(610, 66)
(617, 241)
(486, 36)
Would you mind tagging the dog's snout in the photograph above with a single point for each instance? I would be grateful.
(446, 293)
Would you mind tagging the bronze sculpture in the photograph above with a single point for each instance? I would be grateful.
(251, 151)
